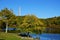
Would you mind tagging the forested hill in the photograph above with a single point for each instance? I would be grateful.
(53, 23)
(29, 23)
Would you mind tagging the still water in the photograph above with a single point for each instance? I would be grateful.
(47, 36)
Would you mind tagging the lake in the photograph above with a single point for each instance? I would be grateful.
(47, 36)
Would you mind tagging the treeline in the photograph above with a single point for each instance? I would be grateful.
(29, 23)
(52, 24)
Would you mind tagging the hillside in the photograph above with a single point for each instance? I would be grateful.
(53, 24)
(29, 23)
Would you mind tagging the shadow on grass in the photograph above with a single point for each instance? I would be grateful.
(2, 39)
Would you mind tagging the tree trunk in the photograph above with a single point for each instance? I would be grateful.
(6, 27)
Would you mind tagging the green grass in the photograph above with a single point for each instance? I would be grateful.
(12, 36)
(9, 36)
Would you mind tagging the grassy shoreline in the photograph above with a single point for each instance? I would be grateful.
(9, 36)
(13, 36)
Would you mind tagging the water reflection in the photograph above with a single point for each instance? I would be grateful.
(46, 36)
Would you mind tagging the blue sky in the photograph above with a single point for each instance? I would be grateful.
(40, 8)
